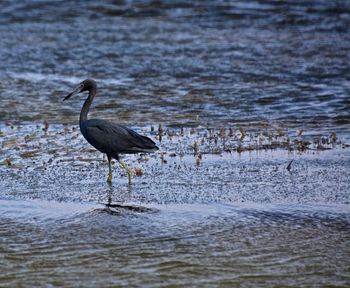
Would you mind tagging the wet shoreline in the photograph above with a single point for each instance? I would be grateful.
(229, 164)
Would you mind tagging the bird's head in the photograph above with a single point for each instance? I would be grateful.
(86, 85)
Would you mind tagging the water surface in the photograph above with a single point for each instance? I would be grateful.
(214, 208)
(216, 63)
(210, 245)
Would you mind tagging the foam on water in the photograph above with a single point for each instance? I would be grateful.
(38, 77)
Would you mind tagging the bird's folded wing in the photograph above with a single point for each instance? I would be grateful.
(115, 138)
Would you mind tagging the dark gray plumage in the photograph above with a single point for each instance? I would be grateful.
(109, 138)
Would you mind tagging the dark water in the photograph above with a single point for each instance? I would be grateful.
(168, 61)
(228, 219)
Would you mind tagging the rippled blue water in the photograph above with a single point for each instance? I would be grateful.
(179, 62)
(181, 245)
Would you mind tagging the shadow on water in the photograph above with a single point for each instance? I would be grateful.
(122, 208)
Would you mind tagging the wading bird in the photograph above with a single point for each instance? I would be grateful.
(109, 138)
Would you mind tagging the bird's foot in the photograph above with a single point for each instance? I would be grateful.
(109, 179)
(128, 170)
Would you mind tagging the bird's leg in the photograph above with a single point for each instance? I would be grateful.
(109, 179)
(109, 200)
(128, 170)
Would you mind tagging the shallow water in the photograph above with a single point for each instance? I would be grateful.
(210, 245)
(254, 84)
(230, 219)
(60, 161)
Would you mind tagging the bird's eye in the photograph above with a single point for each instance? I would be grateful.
(81, 86)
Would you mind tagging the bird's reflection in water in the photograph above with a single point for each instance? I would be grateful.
(123, 196)
(120, 209)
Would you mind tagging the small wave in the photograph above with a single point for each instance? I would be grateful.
(40, 77)
(41, 210)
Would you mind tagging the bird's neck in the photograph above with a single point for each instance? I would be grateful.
(86, 107)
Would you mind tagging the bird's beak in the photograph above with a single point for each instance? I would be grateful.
(75, 92)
